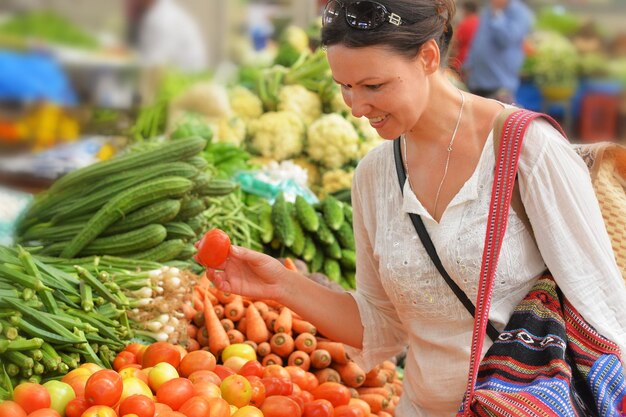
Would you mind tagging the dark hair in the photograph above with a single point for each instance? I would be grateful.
(424, 20)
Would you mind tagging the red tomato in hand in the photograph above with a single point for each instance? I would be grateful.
(104, 388)
(137, 404)
(280, 406)
(11, 409)
(31, 396)
(213, 248)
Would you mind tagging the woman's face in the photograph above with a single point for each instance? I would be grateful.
(387, 88)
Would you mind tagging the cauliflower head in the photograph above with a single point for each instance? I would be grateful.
(336, 179)
(245, 103)
(301, 101)
(332, 141)
(296, 37)
(278, 135)
(228, 130)
(338, 104)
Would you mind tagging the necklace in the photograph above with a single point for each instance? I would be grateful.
(445, 171)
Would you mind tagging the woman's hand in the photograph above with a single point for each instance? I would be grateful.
(251, 274)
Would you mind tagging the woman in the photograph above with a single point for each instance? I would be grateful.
(387, 57)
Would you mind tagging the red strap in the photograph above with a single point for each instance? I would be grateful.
(504, 181)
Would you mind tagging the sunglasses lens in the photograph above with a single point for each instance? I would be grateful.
(365, 14)
(331, 11)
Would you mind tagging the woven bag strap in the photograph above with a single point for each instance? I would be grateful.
(510, 145)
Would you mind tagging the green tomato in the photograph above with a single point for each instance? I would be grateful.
(242, 350)
(60, 394)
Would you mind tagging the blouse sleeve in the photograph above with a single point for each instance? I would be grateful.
(562, 207)
(383, 332)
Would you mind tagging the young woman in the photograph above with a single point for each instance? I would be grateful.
(387, 57)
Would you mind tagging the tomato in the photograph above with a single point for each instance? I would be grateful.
(235, 363)
(307, 396)
(104, 388)
(258, 390)
(280, 406)
(241, 350)
(160, 374)
(208, 376)
(60, 394)
(196, 407)
(45, 412)
(124, 358)
(137, 349)
(198, 360)
(277, 386)
(76, 407)
(334, 392)
(218, 407)
(31, 396)
(297, 376)
(75, 372)
(161, 409)
(207, 389)
(362, 404)
(91, 367)
(349, 411)
(131, 371)
(135, 386)
(161, 352)
(236, 389)
(275, 370)
(298, 399)
(137, 404)
(248, 411)
(223, 371)
(318, 408)
(312, 381)
(175, 392)
(11, 409)
(99, 411)
(78, 384)
(213, 248)
(252, 367)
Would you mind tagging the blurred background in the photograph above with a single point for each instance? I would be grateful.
(82, 79)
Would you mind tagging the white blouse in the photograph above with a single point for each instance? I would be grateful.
(404, 301)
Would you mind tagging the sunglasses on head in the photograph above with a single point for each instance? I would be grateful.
(364, 15)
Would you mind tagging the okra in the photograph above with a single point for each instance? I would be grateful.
(25, 280)
(21, 360)
(12, 369)
(51, 357)
(48, 322)
(86, 296)
(97, 285)
(20, 344)
(9, 331)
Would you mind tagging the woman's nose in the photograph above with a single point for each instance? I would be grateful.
(358, 104)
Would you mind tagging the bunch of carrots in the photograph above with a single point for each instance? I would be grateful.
(279, 336)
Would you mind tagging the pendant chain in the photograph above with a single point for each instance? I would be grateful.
(449, 149)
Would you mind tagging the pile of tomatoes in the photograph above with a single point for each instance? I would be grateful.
(163, 380)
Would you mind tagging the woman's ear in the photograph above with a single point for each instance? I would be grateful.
(430, 56)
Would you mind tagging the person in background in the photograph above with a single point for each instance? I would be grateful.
(165, 35)
(389, 59)
(496, 55)
(463, 34)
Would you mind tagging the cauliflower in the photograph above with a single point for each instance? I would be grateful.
(301, 101)
(336, 179)
(313, 171)
(296, 37)
(369, 136)
(245, 103)
(278, 135)
(332, 141)
(338, 104)
(228, 130)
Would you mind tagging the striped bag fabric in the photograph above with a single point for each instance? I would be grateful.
(548, 361)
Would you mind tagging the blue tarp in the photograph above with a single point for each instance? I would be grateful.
(30, 76)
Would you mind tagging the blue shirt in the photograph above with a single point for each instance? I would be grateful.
(497, 53)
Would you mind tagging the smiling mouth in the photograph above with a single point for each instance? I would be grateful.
(375, 120)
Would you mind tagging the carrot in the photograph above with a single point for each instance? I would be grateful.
(391, 374)
(198, 304)
(188, 310)
(234, 310)
(235, 336)
(289, 264)
(218, 339)
(227, 324)
(263, 349)
(202, 336)
(192, 330)
(300, 359)
(256, 330)
(224, 297)
(251, 343)
(282, 344)
(305, 342)
(198, 319)
(376, 402)
(302, 326)
(353, 392)
(388, 365)
(219, 311)
(327, 375)
(375, 378)
(272, 359)
(375, 390)
(211, 296)
(270, 318)
(241, 325)
(191, 345)
(262, 307)
(320, 358)
(336, 350)
(284, 321)
(351, 374)
(397, 384)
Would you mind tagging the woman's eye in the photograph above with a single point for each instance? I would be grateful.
(374, 86)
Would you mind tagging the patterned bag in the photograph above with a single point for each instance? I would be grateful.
(548, 361)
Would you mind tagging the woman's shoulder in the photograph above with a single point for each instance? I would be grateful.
(375, 159)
